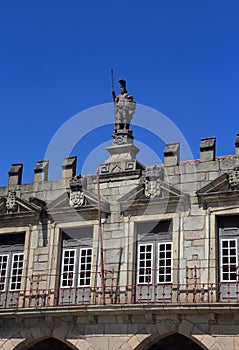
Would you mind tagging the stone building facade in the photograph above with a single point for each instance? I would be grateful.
(133, 258)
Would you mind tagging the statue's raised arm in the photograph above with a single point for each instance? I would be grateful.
(124, 107)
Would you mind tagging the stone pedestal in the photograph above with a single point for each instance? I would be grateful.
(122, 154)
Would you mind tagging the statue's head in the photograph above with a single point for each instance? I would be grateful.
(122, 86)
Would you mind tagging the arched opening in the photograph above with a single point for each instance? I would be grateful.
(176, 342)
(49, 344)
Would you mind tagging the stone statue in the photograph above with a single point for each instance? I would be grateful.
(124, 107)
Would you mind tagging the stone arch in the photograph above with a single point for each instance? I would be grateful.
(42, 343)
(44, 330)
(154, 333)
(70, 344)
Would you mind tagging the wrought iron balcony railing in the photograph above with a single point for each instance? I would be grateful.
(191, 285)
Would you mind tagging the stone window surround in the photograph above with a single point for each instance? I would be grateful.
(154, 276)
(28, 254)
(212, 215)
(81, 273)
(56, 246)
(177, 237)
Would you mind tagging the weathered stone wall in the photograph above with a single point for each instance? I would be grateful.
(122, 329)
(125, 201)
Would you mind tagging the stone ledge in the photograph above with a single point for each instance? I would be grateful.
(74, 311)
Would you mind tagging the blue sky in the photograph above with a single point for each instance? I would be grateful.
(178, 57)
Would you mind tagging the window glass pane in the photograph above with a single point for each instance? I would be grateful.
(224, 244)
(145, 254)
(229, 259)
(85, 266)
(68, 268)
(165, 262)
(16, 271)
(3, 271)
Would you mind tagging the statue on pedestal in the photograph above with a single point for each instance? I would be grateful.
(124, 107)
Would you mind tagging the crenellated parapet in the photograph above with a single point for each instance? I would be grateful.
(124, 170)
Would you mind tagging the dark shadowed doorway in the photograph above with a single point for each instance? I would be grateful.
(176, 342)
(50, 344)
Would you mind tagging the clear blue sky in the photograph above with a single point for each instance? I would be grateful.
(178, 57)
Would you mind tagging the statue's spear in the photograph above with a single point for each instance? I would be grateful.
(113, 84)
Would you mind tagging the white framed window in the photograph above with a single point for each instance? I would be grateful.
(148, 269)
(68, 268)
(229, 260)
(11, 263)
(16, 271)
(154, 256)
(76, 272)
(165, 262)
(85, 264)
(145, 263)
(77, 256)
(4, 258)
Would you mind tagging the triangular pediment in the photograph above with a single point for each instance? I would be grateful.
(90, 202)
(220, 184)
(13, 207)
(18, 206)
(160, 197)
(157, 189)
(219, 191)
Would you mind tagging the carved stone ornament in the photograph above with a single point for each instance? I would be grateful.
(120, 139)
(11, 203)
(77, 199)
(76, 183)
(152, 188)
(116, 169)
(234, 179)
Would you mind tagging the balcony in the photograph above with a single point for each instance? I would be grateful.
(188, 286)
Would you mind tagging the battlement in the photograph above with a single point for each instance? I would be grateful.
(208, 161)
